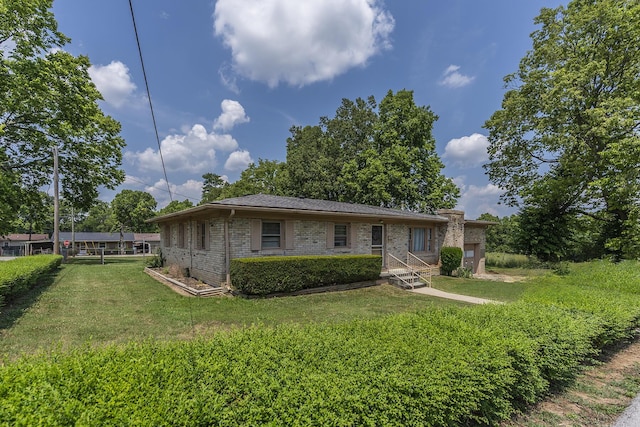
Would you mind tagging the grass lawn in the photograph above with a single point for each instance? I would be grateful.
(86, 302)
(490, 289)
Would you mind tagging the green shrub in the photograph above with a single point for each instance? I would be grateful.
(156, 261)
(21, 274)
(451, 257)
(473, 366)
(457, 366)
(464, 273)
(267, 275)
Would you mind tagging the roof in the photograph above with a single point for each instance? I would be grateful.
(95, 237)
(147, 237)
(24, 237)
(265, 202)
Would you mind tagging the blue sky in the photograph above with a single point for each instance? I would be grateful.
(228, 78)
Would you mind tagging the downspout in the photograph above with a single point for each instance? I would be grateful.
(227, 247)
(190, 237)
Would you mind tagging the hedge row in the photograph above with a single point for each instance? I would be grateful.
(268, 275)
(21, 274)
(436, 368)
(456, 366)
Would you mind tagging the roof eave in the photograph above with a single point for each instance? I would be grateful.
(214, 206)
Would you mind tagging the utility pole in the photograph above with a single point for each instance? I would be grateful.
(56, 204)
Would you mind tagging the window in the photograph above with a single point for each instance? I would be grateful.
(167, 236)
(181, 236)
(420, 239)
(271, 235)
(202, 235)
(340, 235)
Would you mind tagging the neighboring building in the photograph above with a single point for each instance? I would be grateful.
(24, 244)
(146, 243)
(205, 238)
(90, 243)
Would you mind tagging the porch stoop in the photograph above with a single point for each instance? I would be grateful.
(412, 274)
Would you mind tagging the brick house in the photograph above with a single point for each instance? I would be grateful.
(205, 238)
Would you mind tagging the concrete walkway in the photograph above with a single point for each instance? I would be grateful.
(442, 294)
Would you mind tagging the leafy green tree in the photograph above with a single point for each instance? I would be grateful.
(99, 218)
(175, 206)
(313, 163)
(9, 194)
(212, 187)
(567, 139)
(131, 209)
(264, 177)
(501, 237)
(35, 214)
(382, 156)
(47, 100)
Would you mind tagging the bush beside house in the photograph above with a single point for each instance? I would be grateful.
(451, 258)
(268, 275)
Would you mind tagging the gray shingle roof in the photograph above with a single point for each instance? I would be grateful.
(96, 237)
(313, 205)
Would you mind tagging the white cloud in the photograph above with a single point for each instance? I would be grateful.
(191, 190)
(232, 114)
(453, 79)
(478, 199)
(468, 151)
(301, 42)
(113, 81)
(193, 152)
(238, 160)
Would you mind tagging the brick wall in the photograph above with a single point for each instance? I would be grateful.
(310, 238)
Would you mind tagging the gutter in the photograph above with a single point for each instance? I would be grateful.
(227, 247)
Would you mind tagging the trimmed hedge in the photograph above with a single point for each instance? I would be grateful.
(457, 366)
(21, 274)
(451, 258)
(268, 275)
(443, 367)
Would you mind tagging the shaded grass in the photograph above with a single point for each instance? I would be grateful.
(117, 303)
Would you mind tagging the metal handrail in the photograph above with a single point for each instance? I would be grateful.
(422, 267)
(394, 263)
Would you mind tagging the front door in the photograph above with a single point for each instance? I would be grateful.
(377, 239)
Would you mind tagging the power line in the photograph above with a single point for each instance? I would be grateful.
(129, 177)
(146, 83)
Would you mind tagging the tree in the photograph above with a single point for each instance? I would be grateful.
(383, 158)
(313, 163)
(502, 237)
(99, 218)
(567, 139)
(262, 178)
(9, 194)
(48, 100)
(212, 187)
(175, 206)
(401, 169)
(35, 214)
(131, 209)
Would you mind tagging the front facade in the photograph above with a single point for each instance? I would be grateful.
(204, 239)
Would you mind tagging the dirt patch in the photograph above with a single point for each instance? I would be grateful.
(597, 398)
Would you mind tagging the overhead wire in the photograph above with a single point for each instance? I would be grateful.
(146, 83)
(193, 199)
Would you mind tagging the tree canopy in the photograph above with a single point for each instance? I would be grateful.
(131, 209)
(566, 142)
(378, 155)
(48, 100)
